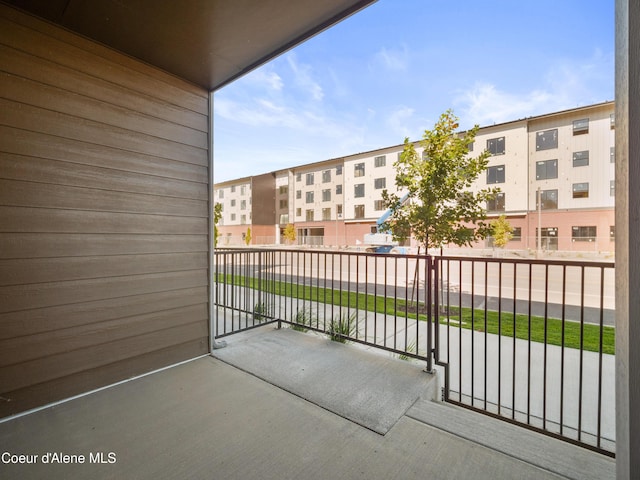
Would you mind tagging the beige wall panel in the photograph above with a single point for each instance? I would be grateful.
(87, 380)
(24, 271)
(40, 120)
(32, 144)
(46, 41)
(40, 95)
(49, 319)
(19, 376)
(32, 245)
(23, 297)
(31, 194)
(54, 74)
(25, 219)
(15, 167)
(26, 348)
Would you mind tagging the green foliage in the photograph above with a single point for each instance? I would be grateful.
(217, 215)
(259, 312)
(247, 237)
(300, 320)
(502, 231)
(342, 327)
(440, 206)
(289, 233)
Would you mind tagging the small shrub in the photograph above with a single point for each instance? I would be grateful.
(341, 327)
(260, 312)
(411, 348)
(300, 320)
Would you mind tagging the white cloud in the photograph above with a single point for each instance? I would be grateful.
(567, 84)
(303, 78)
(393, 59)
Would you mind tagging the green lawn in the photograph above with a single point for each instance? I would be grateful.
(534, 328)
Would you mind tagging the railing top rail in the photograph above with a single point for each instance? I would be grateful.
(532, 261)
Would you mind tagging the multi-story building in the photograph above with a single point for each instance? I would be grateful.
(555, 173)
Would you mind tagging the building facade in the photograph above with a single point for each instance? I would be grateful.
(555, 173)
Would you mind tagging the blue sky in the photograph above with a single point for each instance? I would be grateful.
(389, 71)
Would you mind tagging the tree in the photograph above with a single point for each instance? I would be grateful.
(289, 233)
(502, 231)
(439, 207)
(217, 215)
(247, 237)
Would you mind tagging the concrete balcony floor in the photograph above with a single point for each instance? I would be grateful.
(279, 404)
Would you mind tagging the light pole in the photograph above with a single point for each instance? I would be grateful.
(539, 239)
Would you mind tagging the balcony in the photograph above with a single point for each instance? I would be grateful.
(282, 400)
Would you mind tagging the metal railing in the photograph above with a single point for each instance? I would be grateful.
(528, 341)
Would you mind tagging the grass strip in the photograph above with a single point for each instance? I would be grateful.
(524, 326)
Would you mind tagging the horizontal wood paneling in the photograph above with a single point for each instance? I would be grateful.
(23, 323)
(38, 145)
(22, 349)
(46, 41)
(14, 377)
(38, 295)
(104, 215)
(42, 245)
(26, 219)
(60, 196)
(40, 95)
(56, 75)
(35, 395)
(28, 117)
(43, 270)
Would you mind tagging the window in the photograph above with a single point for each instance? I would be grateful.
(495, 174)
(548, 199)
(243, 219)
(583, 234)
(284, 218)
(379, 183)
(358, 211)
(516, 234)
(612, 188)
(581, 127)
(612, 154)
(339, 211)
(612, 120)
(283, 190)
(233, 202)
(233, 217)
(309, 179)
(309, 215)
(378, 205)
(612, 232)
(580, 190)
(298, 194)
(546, 169)
(496, 204)
(549, 238)
(358, 190)
(284, 203)
(326, 176)
(496, 146)
(233, 189)
(581, 159)
(547, 139)
(358, 170)
(298, 177)
(326, 195)
(298, 212)
(338, 189)
(425, 156)
(243, 204)
(243, 190)
(470, 146)
(220, 193)
(380, 161)
(339, 170)
(309, 197)
(326, 214)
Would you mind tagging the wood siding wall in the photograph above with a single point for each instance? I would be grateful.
(103, 215)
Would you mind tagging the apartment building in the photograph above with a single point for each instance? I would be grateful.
(555, 173)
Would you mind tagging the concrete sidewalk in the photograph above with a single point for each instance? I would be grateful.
(208, 419)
